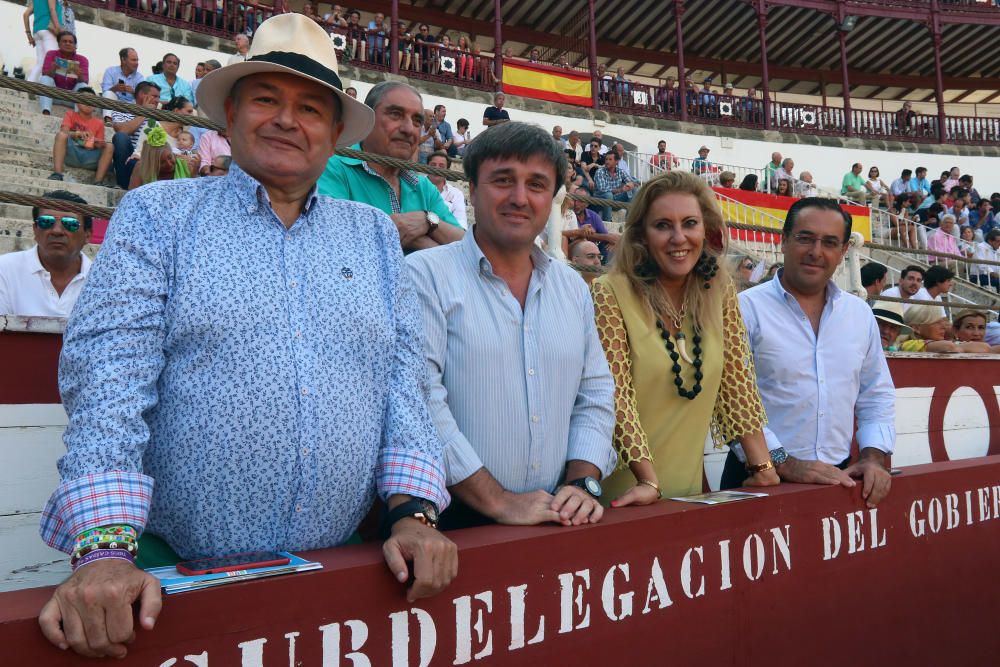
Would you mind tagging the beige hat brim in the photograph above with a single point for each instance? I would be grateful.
(358, 118)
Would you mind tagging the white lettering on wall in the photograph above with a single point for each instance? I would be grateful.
(968, 508)
(686, 573)
(831, 537)
(951, 510)
(517, 618)
(608, 594)
(727, 579)
(753, 546)
(780, 542)
(996, 502)
(464, 627)
(656, 589)
(984, 503)
(855, 536)
(935, 515)
(877, 540)
(253, 652)
(916, 524)
(200, 660)
(331, 644)
(401, 637)
(572, 604)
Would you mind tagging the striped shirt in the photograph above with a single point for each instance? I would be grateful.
(118, 117)
(520, 392)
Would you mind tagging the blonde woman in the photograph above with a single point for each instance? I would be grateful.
(671, 327)
(930, 327)
(156, 159)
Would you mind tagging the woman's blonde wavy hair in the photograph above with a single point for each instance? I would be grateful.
(633, 260)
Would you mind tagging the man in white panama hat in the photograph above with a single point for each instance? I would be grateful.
(251, 348)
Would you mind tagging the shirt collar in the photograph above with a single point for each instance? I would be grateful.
(35, 263)
(832, 291)
(252, 193)
(411, 177)
(481, 264)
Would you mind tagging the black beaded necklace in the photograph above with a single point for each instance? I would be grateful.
(689, 394)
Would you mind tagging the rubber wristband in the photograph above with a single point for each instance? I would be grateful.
(98, 554)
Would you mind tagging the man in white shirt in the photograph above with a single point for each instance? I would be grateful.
(911, 286)
(242, 48)
(519, 387)
(901, 184)
(819, 361)
(451, 195)
(45, 281)
(989, 274)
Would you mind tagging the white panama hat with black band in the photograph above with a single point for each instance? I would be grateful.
(288, 44)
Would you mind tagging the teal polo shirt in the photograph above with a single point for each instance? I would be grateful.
(855, 180)
(350, 178)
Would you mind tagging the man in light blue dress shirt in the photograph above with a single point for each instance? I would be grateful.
(819, 362)
(521, 393)
(245, 372)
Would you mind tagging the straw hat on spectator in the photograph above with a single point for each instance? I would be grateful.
(916, 316)
(891, 312)
(288, 44)
(704, 149)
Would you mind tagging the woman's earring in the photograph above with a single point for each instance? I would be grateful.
(706, 267)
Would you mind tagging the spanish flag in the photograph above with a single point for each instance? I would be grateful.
(777, 207)
(544, 82)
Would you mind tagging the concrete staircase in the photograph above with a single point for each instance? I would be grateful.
(25, 164)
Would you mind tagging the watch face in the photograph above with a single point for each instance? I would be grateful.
(779, 456)
(430, 511)
(593, 487)
(434, 217)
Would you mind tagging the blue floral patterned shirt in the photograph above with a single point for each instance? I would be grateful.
(269, 380)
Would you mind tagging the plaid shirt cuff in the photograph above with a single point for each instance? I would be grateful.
(414, 474)
(103, 499)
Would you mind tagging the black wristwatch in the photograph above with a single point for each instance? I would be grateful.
(422, 510)
(778, 456)
(588, 484)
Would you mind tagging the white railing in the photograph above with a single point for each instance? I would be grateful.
(644, 166)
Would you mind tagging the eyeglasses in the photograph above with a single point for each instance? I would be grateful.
(748, 266)
(49, 221)
(809, 240)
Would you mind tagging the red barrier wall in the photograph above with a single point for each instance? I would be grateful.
(807, 576)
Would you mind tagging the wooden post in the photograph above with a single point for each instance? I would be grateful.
(592, 54)
(764, 84)
(845, 82)
(394, 38)
(938, 75)
(497, 43)
(681, 72)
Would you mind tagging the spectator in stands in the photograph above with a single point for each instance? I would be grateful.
(901, 184)
(911, 285)
(575, 174)
(919, 182)
(751, 109)
(950, 179)
(498, 467)
(749, 183)
(593, 159)
(743, 269)
(667, 97)
(982, 220)
(878, 191)
(988, 275)
(496, 114)
(63, 68)
(622, 88)
(451, 195)
(599, 137)
(576, 145)
(119, 83)
(335, 17)
(127, 132)
(45, 280)
(663, 160)
(462, 136)
(672, 332)
(611, 182)
(446, 137)
(586, 253)
(784, 188)
(906, 119)
(220, 166)
(727, 179)
(873, 279)
(590, 226)
(422, 218)
(157, 161)
(943, 240)
(969, 326)
(429, 138)
(853, 186)
(425, 47)
(242, 49)
(80, 143)
(364, 393)
(804, 186)
(966, 183)
(819, 376)
(618, 149)
(889, 316)
(770, 181)
(352, 91)
(930, 330)
(604, 84)
(170, 84)
(355, 32)
(786, 171)
(211, 146)
(42, 35)
(708, 106)
(938, 281)
(199, 73)
(700, 165)
(558, 137)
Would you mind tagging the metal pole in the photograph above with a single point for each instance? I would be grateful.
(764, 85)
(592, 54)
(682, 90)
(394, 38)
(497, 43)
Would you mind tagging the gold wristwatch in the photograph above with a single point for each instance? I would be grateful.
(760, 467)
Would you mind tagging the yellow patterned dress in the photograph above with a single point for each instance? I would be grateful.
(652, 421)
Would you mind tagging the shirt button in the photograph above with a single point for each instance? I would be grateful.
(305, 451)
(536, 465)
(304, 391)
(821, 414)
(298, 333)
(531, 371)
(534, 418)
(295, 284)
(288, 237)
(298, 508)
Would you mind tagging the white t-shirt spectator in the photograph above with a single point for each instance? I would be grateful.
(455, 200)
(236, 58)
(26, 287)
(922, 293)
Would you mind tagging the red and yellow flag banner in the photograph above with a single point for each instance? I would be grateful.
(544, 82)
(773, 205)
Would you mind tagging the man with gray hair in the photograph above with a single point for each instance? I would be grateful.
(242, 49)
(520, 389)
(422, 217)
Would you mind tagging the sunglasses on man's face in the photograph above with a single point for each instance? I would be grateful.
(49, 221)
